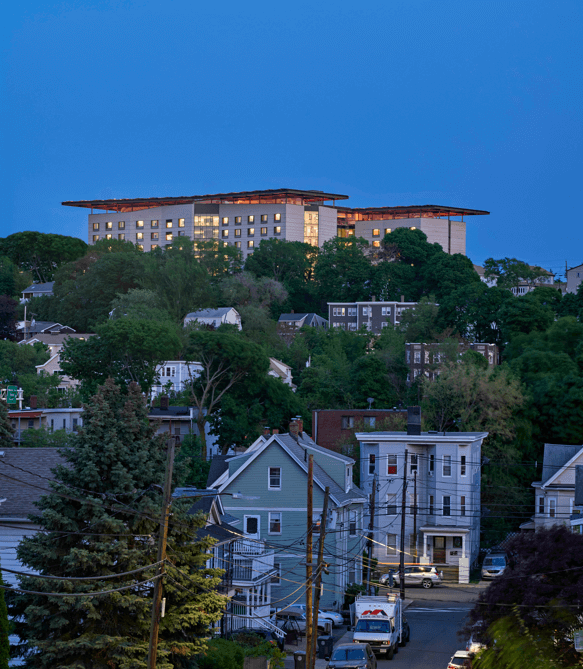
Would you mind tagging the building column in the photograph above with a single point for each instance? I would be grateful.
(464, 564)
(424, 559)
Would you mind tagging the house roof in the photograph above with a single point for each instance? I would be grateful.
(555, 456)
(54, 339)
(421, 439)
(40, 287)
(308, 317)
(219, 465)
(170, 412)
(43, 326)
(23, 478)
(292, 317)
(209, 313)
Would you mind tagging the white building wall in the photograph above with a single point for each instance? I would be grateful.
(328, 224)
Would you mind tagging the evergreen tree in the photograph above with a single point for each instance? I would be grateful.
(4, 629)
(101, 518)
(6, 429)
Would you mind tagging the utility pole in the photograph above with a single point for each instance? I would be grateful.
(415, 515)
(403, 510)
(370, 533)
(155, 622)
(319, 578)
(309, 557)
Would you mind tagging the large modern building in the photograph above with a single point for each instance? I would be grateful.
(245, 218)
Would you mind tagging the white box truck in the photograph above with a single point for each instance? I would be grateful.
(378, 621)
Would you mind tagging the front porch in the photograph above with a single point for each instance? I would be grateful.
(447, 547)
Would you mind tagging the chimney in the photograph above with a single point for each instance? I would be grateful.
(275, 430)
(413, 420)
(164, 403)
(300, 422)
(402, 298)
(294, 428)
(373, 298)
(33, 401)
(266, 432)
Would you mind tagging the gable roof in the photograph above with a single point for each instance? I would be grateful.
(40, 287)
(219, 465)
(54, 339)
(23, 478)
(210, 313)
(555, 457)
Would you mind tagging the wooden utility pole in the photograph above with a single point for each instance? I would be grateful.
(155, 622)
(370, 534)
(415, 516)
(309, 557)
(320, 567)
(403, 510)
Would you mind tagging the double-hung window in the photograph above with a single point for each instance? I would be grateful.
(371, 463)
(463, 505)
(352, 524)
(391, 544)
(414, 462)
(552, 507)
(391, 464)
(463, 467)
(447, 505)
(541, 505)
(446, 465)
(274, 482)
(275, 522)
(347, 422)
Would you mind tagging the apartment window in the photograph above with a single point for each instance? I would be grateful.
(180, 222)
(237, 244)
(431, 503)
(225, 233)
(121, 225)
(376, 244)
(139, 235)
(392, 544)
(64, 423)
(376, 232)
(369, 421)
(153, 235)
(168, 236)
(352, 524)
(463, 505)
(386, 311)
(274, 482)
(237, 220)
(277, 217)
(264, 218)
(387, 231)
(552, 507)
(347, 422)
(352, 571)
(541, 506)
(275, 522)
(447, 506)
(392, 505)
(250, 244)
(432, 463)
(154, 246)
(168, 371)
(250, 219)
(446, 465)
(413, 503)
(413, 228)
(417, 357)
(463, 467)
(371, 463)
(153, 224)
(263, 232)
(276, 578)
(96, 226)
(95, 238)
(225, 220)
(352, 311)
(121, 235)
(109, 236)
(366, 311)
(338, 311)
(250, 232)
(238, 232)
(109, 225)
(391, 464)
(414, 462)
(31, 423)
(277, 230)
(140, 247)
(139, 224)
(169, 223)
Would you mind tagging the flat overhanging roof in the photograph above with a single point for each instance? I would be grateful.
(407, 212)
(277, 196)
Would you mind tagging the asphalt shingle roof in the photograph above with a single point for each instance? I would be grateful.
(555, 456)
(209, 313)
(219, 465)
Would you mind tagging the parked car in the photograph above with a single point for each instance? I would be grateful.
(295, 613)
(336, 618)
(493, 565)
(461, 660)
(419, 575)
(352, 655)
(476, 642)
(384, 579)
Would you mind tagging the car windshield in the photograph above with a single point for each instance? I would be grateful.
(495, 562)
(348, 654)
(373, 626)
(458, 661)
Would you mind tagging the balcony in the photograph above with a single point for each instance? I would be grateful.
(252, 563)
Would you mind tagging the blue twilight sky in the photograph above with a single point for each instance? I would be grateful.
(469, 103)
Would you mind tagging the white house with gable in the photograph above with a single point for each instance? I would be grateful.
(214, 317)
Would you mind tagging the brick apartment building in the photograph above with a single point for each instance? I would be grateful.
(332, 426)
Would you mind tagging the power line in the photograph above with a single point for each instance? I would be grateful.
(80, 578)
(77, 594)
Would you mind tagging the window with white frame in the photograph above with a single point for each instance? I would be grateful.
(414, 458)
(541, 505)
(369, 421)
(446, 465)
(352, 524)
(552, 507)
(462, 505)
(391, 545)
(352, 326)
(352, 311)
(352, 571)
(168, 371)
(463, 468)
(391, 464)
(432, 463)
(275, 522)
(276, 578)
(366, 311)
(347, 422)
(417, 357)
(386, 311)
(447, 505)
(413, 503)
(408, 356)
(274, 482)
(338, 311)
(372, 463)
(391, 505)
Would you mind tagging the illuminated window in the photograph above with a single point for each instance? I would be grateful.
(109, 225)
(263, 232)
(139, 224)
(154, 224)
(237, 244)
(95, 238)
(169, 223)
(154, 235)
(413, 228)
(225, 233)
(250, 219)
(139, 235)
(121, 225)
(376, 232)
(264, 218)
(121, 235)
(180, 222)
(387, 231)
(376, 244)
(237, 220)
(225, 220)
(168, 236)
(250, 244)
(277, 217)
(206, 227)
(237, 233)
(108, 236)
(250, 232)
(277, 230)
(140, 246)
(154, 246)
(96, 226)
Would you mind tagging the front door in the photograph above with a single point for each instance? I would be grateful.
(252, 527)
(439, 550)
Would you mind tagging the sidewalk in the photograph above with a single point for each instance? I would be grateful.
(345, 637)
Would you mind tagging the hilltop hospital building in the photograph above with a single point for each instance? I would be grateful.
(244, 219)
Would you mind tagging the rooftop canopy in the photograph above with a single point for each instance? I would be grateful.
(413, 211)
(277, 196)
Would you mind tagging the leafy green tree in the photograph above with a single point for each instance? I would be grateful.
(510, 272)
(195, 469)
(7, 317)
(343, 270)
(18, 367)
(6, 429)
(8, 271)
(41, 253)
(246, 290)
(421, 324)
(217, 258)
(126, 349)
(44, 438)
(101, 519)
(222, 654)
(523, 315)
(139, 303)
(4, 629)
